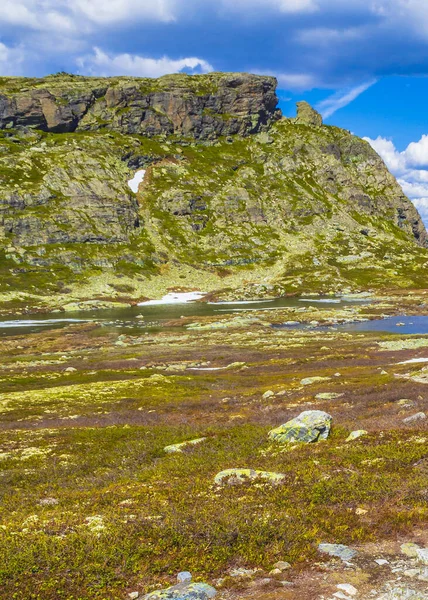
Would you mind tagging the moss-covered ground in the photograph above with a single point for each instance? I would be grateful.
(93, 508)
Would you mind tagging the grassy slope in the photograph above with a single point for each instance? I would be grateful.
(222, 216)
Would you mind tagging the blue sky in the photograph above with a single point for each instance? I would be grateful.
(362, 63)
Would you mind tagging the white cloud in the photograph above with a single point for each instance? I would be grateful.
(405, 166)
(113, 11)
(342, 98)
(11, 60)
(102, 64)
(284, 6)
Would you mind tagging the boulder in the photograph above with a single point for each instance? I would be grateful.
(173, 448)
(183, 591)
(309, 426)
(356, 434)
(238, 476)
(311, 380)
(338, 551)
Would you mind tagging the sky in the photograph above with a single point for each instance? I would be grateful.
(362, 63)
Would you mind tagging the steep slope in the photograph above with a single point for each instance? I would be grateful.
(234, 197)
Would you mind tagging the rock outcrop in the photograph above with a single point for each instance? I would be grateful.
(233, 193)
(201, 107)
(306, 115)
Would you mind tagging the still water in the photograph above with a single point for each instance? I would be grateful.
(156, 315)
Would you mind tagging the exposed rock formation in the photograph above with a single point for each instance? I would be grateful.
(306, 115)
(202, 107)
(232, 195)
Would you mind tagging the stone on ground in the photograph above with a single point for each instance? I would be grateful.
(356, 434)
(237, 476)
(173, 448)
(337, 550)
(309, 426)
(183, 591)
(311, 380)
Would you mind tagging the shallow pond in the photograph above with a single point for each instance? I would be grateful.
(156, 315)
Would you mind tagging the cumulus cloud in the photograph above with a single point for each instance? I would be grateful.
(408, 167)
(103, 64)
(11, 60)
(342, 98)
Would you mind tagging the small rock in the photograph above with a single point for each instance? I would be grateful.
(241, 572)
(48, 501)
(420, 416)
(361, 511)
(328, 396)
(268, 394)
(173, 448)
(356, 434)
(422, 555)
(183, 591)
(311, 380)
(409, 549)
(341, 596)
(337, 550)
(133, 595)
(405, 402)
(282, 565)
(309, 426)
(238, 476)
(412, 573)
(184, 577)
(348, 589)
(381, 562)
(275, 572)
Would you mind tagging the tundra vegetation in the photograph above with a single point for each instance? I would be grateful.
(260, 459)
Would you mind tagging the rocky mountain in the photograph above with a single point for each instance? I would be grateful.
(235, 197)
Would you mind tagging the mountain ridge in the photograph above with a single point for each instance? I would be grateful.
(236, 199)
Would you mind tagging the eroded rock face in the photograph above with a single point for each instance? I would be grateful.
(201, 107)
(228, 187)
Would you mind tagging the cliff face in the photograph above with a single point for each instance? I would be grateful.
(202, 107)
(233, 195)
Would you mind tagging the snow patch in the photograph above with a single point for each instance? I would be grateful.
(136, 180)
(41, 323)
(413, 360)
(175, 298)
(326, 300)
(242, 302)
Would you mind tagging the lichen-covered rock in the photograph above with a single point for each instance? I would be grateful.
(309, 426)
(183, 591)
(306, 115)
(204, 106)
(403, 592)
(354, 435)
(174, 448)
(312, 380)
(238, 476)
(409, 549)
(337, 550)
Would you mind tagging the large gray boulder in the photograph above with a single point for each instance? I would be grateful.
(309, 426)
(183, 591)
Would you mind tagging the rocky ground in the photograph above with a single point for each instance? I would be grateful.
(101, 499)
